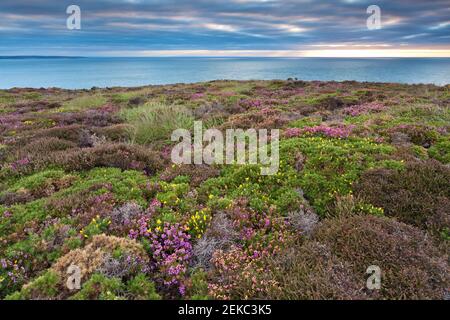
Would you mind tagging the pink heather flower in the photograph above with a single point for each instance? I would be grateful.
(19, 163)
(154, 205)
(248, 103)
(198, 95)
(171, 252)
(133, 234)
(7, 214)
(182, 290)
(356, 110)
(293, 132)
(441, 130)
(332, 132)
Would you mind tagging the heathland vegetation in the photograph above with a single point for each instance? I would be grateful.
(86, 179)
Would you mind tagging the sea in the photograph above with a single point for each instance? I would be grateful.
(85, 73)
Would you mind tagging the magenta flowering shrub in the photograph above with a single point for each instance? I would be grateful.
(258, 233)
(262, 103)
(359, 109)
(171, 251)
(293, 132)
(253, 227)
(197, 96)
(284, 93)
(19, 164)
(251, 103)
(264, 118)
(139, 225)
(332, 132)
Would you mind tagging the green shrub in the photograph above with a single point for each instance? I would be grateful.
(6, 98)
(141, 288)
(22, 213)
(441, 150)
(44, 287)
(306, 122)
(198, 289)
(329, 166)
(100, 287)
(38, 182)
(246, 181)
(125, 185)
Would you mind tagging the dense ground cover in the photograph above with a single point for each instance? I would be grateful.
(364, 179)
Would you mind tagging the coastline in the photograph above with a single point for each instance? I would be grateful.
(86, 72)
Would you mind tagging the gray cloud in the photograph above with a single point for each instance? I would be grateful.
(234, 24)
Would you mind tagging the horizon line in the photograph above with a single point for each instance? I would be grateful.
(326, 53)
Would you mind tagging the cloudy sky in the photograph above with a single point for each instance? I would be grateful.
(225, 28)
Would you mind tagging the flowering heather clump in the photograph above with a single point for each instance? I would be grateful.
(236, 275)
(197, 96)
(265, 118)
(332, 132)
(123, 216)
(251, 103)
(99, 206)
(17, 165)
(12, 272)
(140, 224)
(356, 110)
(293, 132)
(171, 252)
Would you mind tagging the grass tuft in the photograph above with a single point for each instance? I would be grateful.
(155, 121)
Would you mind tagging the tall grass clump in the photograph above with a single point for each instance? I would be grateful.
(154, 121)
(84, 102)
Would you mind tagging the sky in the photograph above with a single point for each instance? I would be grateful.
(281, 28)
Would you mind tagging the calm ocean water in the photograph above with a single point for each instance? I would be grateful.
(80, 73)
